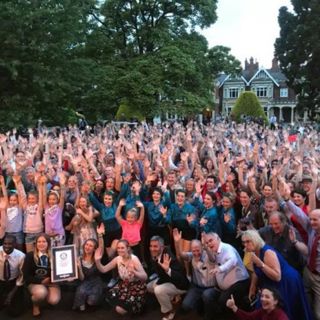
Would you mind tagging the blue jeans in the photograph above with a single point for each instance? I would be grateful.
(198, 297)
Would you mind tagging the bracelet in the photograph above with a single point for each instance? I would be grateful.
(100, 235)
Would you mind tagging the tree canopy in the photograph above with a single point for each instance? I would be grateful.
(298, 50)
(248, 104)
(63, 56)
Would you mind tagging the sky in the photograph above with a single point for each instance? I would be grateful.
(248, 28)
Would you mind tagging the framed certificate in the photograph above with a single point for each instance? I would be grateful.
(64, 263)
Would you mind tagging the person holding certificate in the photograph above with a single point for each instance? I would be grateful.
(128, 296)
(37, 275)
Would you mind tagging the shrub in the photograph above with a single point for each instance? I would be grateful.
(248, 104)
(126, 113)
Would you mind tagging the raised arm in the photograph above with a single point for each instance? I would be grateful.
(122, 203)
(142, 211)
(104, 268)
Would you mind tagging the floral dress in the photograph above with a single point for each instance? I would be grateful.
(129, 293)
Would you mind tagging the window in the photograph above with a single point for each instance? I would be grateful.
(261, 92)
(233, 92)
(283, 92)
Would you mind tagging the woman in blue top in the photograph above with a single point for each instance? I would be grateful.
(228, 219)
(209, 217)
(156, 215)
(272, 270)
(107, 212)
(182, 216)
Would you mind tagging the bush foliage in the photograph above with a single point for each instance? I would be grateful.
(127, 113)
(248, 104)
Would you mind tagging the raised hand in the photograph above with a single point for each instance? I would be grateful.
(165, 265)
(203, 221)
(163, 210)
(139, 204)
(98, 254)
(101, 229)
(122, 202)
(230, 303)
(190, 218)
(177, 235)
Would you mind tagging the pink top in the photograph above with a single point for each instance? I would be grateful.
(32, 219)
(131, 231)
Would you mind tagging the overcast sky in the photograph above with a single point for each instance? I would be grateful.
(248, 27)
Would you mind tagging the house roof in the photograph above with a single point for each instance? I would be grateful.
(248, 76)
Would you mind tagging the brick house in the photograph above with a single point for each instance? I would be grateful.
(270, 86)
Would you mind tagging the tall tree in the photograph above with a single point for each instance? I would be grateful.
(42, 68)
(160, 62)
(298, 50)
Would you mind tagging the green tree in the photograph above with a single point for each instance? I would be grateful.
(160, 62)
(298, 50)
(42, 68)
(248, 105)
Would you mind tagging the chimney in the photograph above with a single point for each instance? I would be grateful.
(252, 66)
(275, 64)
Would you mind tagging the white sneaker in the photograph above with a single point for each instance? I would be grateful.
(169, 316)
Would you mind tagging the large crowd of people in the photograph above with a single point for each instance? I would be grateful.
(218, 219)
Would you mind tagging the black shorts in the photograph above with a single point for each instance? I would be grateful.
(110, 236)
(162, 231)
(188, 233)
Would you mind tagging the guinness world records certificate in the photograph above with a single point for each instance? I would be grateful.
(64, 263)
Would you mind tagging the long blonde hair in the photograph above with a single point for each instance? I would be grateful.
(36, 251)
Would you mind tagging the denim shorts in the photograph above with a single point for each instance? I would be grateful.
(18, 235)
(30, 238)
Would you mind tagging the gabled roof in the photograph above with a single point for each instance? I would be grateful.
(267, 73)
(223, 78)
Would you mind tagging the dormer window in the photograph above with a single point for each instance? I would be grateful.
(283, 92)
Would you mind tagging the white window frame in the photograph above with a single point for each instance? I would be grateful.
(234, 92)
(284, 92)
(259, 90)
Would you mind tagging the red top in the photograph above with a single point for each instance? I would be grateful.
(298, 226)
(260, 314)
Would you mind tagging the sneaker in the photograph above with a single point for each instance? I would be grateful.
(169, 315)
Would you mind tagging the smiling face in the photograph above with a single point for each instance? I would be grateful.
(244, 199)
(42, 244)
(276, 224)
(208, 201)
(89, 247)
(180, 198)
(268, 302)
(122, 249)
(8, 245)
(226, 203)
(155, 248)
(52, 199)
(298, 199)
(156, 196)
(107, 200)
(212, 242)
(196, 250)
(13, 200)
(267, 191)
(83, 203)
(314, 216)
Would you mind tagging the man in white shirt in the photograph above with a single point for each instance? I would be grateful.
(11, 278)
(231, 275)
